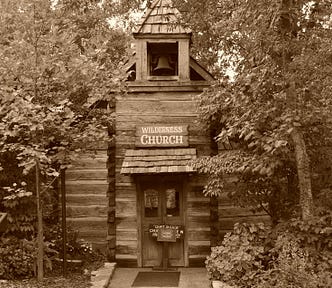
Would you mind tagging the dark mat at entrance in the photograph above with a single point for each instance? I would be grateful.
(157, 279)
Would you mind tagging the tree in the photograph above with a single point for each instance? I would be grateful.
(278, 107)
(57, 64)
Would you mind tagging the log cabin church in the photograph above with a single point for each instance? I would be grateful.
(139, 197)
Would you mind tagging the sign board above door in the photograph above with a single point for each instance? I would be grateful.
(159, 135)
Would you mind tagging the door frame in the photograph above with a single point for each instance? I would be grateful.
(139, 195)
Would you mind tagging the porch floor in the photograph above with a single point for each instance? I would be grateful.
(189, 277)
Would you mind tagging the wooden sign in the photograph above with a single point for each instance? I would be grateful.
(166, 235)
(162, 136)
(162, 231)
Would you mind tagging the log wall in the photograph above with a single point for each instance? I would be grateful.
(198, 222)
(86, 187)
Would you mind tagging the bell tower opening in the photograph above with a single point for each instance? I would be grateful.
(163, 59)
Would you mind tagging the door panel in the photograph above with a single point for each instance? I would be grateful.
(162, 203)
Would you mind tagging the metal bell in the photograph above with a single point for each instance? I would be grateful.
(163, 67)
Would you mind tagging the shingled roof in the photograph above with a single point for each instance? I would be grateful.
(161, 18)
(146, 161)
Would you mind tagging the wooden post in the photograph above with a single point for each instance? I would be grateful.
(64, 222)
(165, 256)
(40, 242)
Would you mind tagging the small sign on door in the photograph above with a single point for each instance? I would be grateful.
(165, 231)
(166, 235)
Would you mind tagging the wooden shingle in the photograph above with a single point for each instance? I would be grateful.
(161, 18)
(147, 161)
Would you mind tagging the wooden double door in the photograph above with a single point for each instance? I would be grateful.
(161, 202)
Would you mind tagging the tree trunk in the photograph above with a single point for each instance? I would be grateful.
(40, 236)
(303, 173)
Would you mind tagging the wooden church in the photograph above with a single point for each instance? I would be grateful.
(140, 197)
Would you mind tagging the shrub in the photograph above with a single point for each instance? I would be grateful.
(292, 266)
(293, 254)
(240, 256)
(76, 248)
(16, 258)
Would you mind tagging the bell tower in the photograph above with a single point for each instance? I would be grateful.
(162, 45)
(157, 136)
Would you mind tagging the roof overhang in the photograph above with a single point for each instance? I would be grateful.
(155, 161)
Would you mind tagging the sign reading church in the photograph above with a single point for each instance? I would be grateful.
(162, 136)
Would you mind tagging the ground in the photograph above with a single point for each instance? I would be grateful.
(73, 280)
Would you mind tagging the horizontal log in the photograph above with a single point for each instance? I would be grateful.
(86, 211)
(87, 187)
(127, 235)
(86, 174)
(140, 119)
(198, 207)
(126, 223)
(233, 211)
(122, 179)
(86, 224)
(199, 248)
(158, 88)
(198, 198)
(90, 163)
(199, 235)
(126, 247)
(194, 222)
(144, 95)
(126, 193)
(158, 107)
(125, 209)
(87, 199)
(93, 236)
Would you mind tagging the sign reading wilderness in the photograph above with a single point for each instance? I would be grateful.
(162, 136)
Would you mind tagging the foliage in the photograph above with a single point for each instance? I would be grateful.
(18, 203)
(240, 256)
(18, 257)
(293, 267)
(292, 254)
(280, 55)
(76, 248)
(59, 63)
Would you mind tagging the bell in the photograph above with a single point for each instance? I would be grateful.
(163, 67)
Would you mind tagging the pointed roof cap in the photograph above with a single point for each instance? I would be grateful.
(161, 18)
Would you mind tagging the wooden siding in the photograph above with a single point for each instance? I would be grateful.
(87, 205)
(156, 108)
(198, 222)
(230, 214)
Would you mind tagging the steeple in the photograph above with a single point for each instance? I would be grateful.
(162, 44)
(161, 18)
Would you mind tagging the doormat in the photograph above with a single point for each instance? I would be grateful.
(156, 279)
